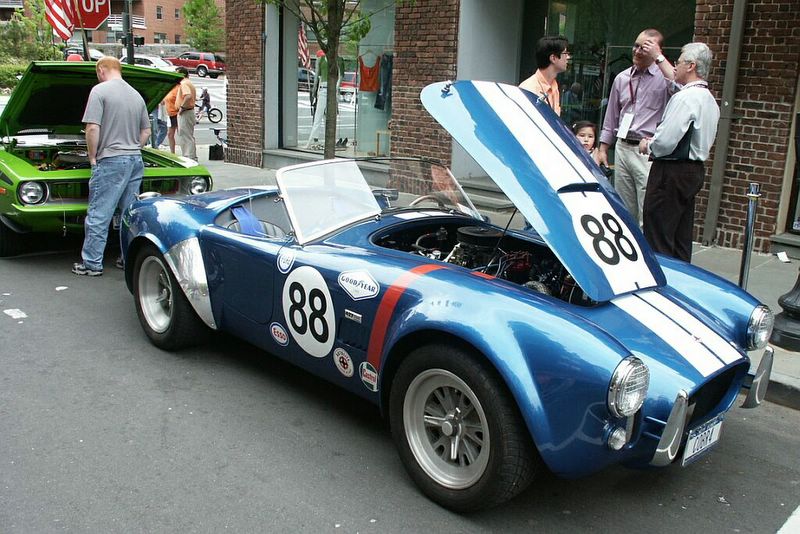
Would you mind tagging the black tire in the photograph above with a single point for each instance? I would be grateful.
(214, 76)
(10, 241)
(164, 312)
(214, 115)
(495, 456)
(202, 71)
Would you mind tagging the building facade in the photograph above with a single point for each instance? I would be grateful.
(470, 39)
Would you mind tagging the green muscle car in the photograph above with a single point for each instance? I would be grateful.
(44, 165)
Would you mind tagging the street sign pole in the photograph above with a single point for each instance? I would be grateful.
(77, 10)
(129, 31)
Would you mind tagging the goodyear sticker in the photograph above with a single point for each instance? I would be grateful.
(359, 284)
(343, 362)
(369, 376)
(279, 334)
(285, 260)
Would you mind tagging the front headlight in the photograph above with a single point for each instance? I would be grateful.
(628, 387)
(198, 185)
(759, 327)
(31, 192)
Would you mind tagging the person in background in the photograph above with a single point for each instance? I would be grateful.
(205, 103)
(571, 103)
(551, 59)
(586, 132)
(679, 147)
(185, 100)
(160, 116)
(117, 127)
(636, 102)
(172, 114)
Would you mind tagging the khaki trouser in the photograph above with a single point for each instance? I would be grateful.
(185, 135)
(630, 177)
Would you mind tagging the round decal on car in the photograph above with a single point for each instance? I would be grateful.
(309, 313)
(285, 260)
(343, 362)
(369, 376)
(279, 334)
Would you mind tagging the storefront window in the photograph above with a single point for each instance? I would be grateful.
(363, 94)
(601, 34)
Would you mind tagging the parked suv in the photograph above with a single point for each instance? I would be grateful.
(202, 63)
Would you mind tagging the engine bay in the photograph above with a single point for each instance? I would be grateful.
(72, 155)
(486, 249)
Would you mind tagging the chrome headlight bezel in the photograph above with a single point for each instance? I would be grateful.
(759, 327)
(32, 193)
(198, 185)
(631, 379)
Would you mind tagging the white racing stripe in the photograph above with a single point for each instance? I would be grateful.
(532, 140)
(517, 95)
(708, 337)
(792, 524)
(679, 339)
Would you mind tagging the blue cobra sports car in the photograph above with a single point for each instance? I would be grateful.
(494, 352)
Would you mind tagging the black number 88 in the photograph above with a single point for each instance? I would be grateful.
(611, 251)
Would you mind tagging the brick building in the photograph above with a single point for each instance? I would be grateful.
(158, 21)
(470, 39)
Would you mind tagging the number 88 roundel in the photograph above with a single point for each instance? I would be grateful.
(308, 309)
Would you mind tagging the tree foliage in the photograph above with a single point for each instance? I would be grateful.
(202, 25)
(28, 38)
(335, 23)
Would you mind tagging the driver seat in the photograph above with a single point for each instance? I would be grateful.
(246, 223)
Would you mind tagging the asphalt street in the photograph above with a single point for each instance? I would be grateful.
(102, 432)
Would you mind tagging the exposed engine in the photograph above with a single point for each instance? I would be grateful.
(488, 250)
(57, 159)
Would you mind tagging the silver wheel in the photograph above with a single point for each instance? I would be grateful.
(156, 294)
(446, 428)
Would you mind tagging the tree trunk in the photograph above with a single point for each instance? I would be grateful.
(335, 17)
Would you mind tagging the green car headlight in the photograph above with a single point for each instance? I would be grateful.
(199, 184)
(31, 193)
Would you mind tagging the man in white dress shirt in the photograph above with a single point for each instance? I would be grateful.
(678, 148)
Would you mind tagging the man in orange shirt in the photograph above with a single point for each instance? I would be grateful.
(184, 100)
(172, 111)
(551, 59)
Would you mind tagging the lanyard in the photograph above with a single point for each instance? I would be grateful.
(630, 87)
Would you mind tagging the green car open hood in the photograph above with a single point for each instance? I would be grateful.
(52, 95)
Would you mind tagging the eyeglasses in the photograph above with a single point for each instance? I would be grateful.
(684, 61)
(566, 53)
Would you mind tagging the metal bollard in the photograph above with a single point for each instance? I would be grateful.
(753, 194)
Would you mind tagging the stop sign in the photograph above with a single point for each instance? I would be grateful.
(93, 13)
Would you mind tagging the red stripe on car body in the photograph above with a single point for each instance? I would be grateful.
(386, 309)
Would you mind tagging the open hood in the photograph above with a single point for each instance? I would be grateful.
(542, 168)
(52, 95)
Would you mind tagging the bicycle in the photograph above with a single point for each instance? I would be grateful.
(214, 114)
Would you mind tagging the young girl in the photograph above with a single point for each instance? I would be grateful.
(586, 132)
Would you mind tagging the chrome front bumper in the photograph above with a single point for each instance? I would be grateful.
(672, 436)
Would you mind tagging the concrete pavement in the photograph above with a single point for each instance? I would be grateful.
(769, 277)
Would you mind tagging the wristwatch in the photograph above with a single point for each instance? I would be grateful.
(660, 59)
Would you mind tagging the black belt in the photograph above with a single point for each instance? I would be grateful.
(630, 141)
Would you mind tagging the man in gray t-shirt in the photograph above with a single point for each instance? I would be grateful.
(117, 126)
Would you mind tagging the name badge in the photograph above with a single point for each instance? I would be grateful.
(625, 125)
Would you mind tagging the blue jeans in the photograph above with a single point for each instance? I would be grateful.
(114, 185)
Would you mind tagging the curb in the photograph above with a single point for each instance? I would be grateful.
(784, 394)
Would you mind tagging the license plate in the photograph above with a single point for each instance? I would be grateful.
(701, 439)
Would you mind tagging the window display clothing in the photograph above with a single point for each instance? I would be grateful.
(369, 76)
(384, 96)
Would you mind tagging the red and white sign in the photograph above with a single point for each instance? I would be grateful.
(92, 13)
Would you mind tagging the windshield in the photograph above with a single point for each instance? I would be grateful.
(322, 197)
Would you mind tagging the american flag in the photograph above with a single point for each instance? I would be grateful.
(59, 14)
(302, 47)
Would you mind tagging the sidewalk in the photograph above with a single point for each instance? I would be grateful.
(769, 277)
